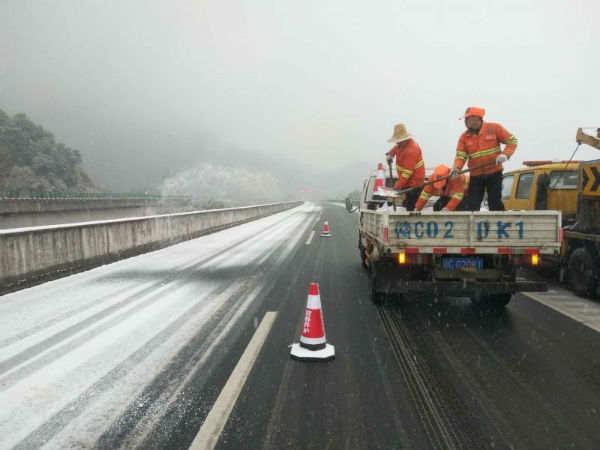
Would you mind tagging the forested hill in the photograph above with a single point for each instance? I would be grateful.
(32, 161)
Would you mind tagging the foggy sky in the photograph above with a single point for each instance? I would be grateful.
(318, 83)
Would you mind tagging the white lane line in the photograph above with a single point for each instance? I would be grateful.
(211, 429)
(579, 315)
(310, 238)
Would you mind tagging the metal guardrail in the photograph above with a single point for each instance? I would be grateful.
(59, 195)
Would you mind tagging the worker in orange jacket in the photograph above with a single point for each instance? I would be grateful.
(450, 190)
(409, 164)
(480, 146)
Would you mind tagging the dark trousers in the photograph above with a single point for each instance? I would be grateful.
(492, 184)
(443, 201)
(411, 198)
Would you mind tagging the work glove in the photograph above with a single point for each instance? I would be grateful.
(390, 159)
(501, 158)
(453, 173)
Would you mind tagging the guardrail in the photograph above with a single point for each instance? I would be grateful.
(24, 195)
(29, 255)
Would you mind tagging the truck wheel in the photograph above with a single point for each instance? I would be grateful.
(492, 301)
(363, 254)
(377, 297)
(499, 300)
(580, 272)
(363, 258)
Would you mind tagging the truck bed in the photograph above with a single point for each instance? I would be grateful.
(465, 232)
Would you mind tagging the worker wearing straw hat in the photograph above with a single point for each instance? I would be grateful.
(409, 164)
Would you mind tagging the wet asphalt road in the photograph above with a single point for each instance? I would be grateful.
(422, 374)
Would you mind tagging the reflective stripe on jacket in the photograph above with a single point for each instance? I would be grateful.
(455, 189)
(409, 164)
(483, 148)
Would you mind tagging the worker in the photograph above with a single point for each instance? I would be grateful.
(450, 190)
(480, 146)
(409, 164)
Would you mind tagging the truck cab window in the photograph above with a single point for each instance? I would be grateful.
(564, 179)
(524, 186)
(507, 184)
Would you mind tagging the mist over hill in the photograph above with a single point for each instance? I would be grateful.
(32, 160)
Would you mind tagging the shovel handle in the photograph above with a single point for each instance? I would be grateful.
(460, 172)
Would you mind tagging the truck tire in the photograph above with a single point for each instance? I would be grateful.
(363, 258)
(496, 301)
(377, 297)
(363, 254)
(580, 272)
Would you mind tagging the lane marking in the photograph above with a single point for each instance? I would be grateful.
(211, 429)
(310, 238)
(578, 309)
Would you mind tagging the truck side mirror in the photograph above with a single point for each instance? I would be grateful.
(348, 204)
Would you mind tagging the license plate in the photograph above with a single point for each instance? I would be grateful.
(462, 263)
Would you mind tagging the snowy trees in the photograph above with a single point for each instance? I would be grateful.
(212, 184)
(30, 159)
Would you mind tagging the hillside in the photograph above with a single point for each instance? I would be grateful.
(32, 161)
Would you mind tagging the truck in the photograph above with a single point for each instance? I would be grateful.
(572, 187)
(581, 248)
(466, 254)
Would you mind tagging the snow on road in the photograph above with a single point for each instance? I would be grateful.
(75, 352)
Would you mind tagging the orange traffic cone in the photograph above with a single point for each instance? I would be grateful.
(326, 231)
(313, 344)
(380, 179)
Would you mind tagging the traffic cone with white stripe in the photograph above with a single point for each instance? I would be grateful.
(379, 180)
(326, 231)
(313, 344)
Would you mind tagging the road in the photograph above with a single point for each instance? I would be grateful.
(139, 353)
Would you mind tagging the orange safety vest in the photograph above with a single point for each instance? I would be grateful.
(454, 188)
(481, 149)
(409, 164)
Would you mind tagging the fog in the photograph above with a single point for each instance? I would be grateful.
(303, 94)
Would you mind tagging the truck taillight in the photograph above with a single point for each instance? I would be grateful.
(535, 259)
(402, 258)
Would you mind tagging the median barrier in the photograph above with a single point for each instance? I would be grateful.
(31, 255)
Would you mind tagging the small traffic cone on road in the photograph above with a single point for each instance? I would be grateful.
(326, 231)
(313, 344)
(379, 180)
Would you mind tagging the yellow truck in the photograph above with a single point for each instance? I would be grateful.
(572, 187)
(543, 185)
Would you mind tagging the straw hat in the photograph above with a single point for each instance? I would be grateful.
(400, 134)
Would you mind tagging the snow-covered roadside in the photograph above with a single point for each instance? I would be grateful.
(75, 351)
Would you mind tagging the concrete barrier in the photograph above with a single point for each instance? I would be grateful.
(21, 212)
(34, 254)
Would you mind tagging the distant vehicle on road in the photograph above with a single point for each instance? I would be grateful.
(466, 254)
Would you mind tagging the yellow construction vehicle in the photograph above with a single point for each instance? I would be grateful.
(581, 245)
(572, 187)
(592, 141)
(542, 185)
